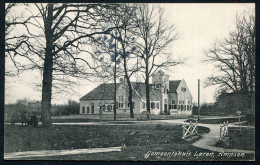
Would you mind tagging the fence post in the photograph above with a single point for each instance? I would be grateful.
(227, 127)
(220, 131)
(183, 131)
(223, 130)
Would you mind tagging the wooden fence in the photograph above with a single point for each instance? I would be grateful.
(223, 130)
(190, 129)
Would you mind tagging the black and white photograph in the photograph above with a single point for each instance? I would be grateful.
(129, 81)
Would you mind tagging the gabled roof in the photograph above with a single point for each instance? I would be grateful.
(173, 85)
(160, 72)
(102, 92)
(107, 89)
(140, 88)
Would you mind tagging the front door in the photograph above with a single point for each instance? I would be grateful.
(165, 108)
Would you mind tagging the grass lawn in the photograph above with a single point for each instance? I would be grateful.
(139, 139)
(244, 140)
(19, 138)
(109, 117)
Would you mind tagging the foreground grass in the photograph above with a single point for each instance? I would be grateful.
(19, 138)
(244, 140)
(140, 139)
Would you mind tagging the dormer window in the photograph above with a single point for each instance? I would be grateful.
(157, 86)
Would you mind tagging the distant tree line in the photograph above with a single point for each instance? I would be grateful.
(23, 105)
(211, 109)
(72, 107)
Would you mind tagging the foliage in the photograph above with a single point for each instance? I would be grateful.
(21, 106)
(234, 58)
(72, 107)
(209, 109)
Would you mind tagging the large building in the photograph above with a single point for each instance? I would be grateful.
(166, 97)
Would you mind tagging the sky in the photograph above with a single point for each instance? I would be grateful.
(199, 26)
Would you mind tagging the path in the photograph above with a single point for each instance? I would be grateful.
(19, 155)
(209, 140)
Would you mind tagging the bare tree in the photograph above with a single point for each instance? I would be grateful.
(156, 38)
(53, 38)
(121, 46)
(234, 58)
(127, 42)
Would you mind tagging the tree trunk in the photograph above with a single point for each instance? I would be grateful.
(47, 71)
(147, 86)
(130, 97)
(130, 90)
(115, 105)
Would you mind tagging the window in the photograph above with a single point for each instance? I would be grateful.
(121, 105)
(184, 107)
(180, 102)
(108, 107)
(157, 86)
(157, 105)
(103, 107)
(183, 89)
(178, 107)
(83, 109)
(188, 107)
(164, 90)
(152, 105)
(128, 105)
(112, 107)
(121, 100)
(175, 106)
(172, 104)
(87, 109)
(92, 107)
(143, 105)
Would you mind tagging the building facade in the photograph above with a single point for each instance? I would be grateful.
(166, 97)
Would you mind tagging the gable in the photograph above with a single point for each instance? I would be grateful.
(102, 92)
(183, 85)
(173, 85)
(140, 89)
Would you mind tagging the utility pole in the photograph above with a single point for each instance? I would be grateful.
(198, 99)
(115, 105)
